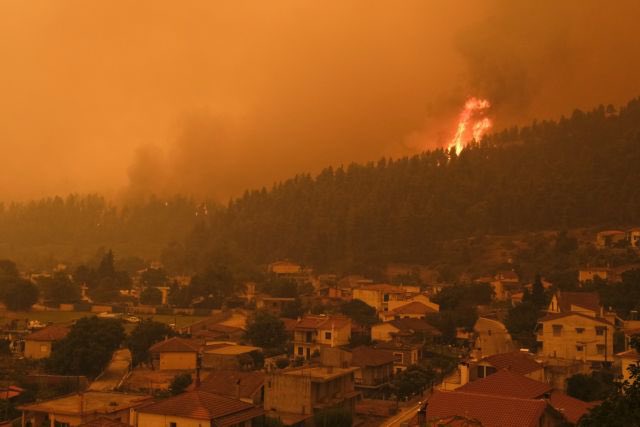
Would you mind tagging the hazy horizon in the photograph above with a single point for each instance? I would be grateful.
(211, 98)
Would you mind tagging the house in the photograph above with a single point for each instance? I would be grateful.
(247, 386)
(296, 394)
(626, 359)
(212, 329)
(76, 409)
(273, 305)
(569, 408)
(508, 383)
(38, 344)
(198, 408)
(375, 368)
(405, 354)
(414, 296)
(590, 273)
(587, 303)
(610, 238)
(378, 296)
(229, 356)
(404, 329)
(560, 407)
(491, 337)
(488, 410)
(519, 362)
(411, 310)
(176, 354)
(575, 336)
(310, 333)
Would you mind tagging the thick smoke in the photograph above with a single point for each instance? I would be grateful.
(211, 97)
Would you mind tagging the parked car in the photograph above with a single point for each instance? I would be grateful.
(132, 319)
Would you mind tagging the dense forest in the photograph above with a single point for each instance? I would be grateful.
(43, 232)
(576, 172)
(580, 171)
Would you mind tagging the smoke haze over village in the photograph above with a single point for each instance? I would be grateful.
(211, 98)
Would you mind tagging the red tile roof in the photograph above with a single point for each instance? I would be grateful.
(588, 300)
(515, 361)
(104, 422)
(229, 383)
(366, 356)
(490, 410)
(50, 333)
(506, 383)
(322, 322)
(572, 409)
(414, 307)
(415, 325)
(555, 316)
(176, 345)
(198, 404)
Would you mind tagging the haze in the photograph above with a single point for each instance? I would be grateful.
(212, 97)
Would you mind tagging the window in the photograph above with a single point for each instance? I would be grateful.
(579, 348)
(557, 330)
(327, 335)
(579, 330)
(300, 351)
(397, 357)
(489, 332)
(173, 424)
(385, 297)
(600, 348)
(600, 330)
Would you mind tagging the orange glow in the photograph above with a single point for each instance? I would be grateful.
(472, 124)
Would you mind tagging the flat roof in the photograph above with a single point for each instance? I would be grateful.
(319, 373)
(233, 350)
(91, 401)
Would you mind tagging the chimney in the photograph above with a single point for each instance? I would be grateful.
(237, 388)
(197, 376)
(464, 373)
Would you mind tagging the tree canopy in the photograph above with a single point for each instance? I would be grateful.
(88, 347)
(265, 330)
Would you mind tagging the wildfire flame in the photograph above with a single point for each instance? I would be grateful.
(472, 123)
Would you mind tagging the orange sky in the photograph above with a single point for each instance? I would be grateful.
(211, 97)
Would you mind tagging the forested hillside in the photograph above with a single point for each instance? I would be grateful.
(72, 228)
(575, 172)
(581, 171)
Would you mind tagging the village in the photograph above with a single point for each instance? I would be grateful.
(327, 350)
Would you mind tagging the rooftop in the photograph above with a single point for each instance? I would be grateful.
(416, 325)
(414, 307)
(588, 300)
(104, 422)
(50, 333)
(556, 316)
(489, 410)
(318, 373)
(233, 383)
(176, 345)
(232, 350)
(515, 361)
(367, 356)
(506, 383)
(322, 322)
(201, 405)
(91, 401)
(572, 409)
